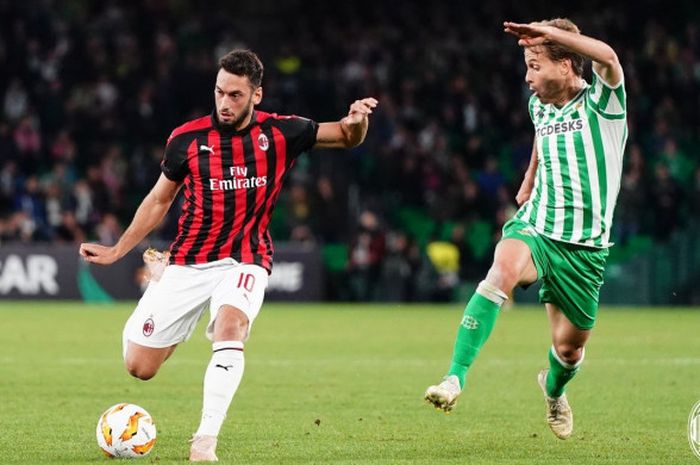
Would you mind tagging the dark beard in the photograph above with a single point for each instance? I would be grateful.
(235, 123)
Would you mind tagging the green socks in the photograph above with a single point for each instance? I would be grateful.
(475, 328)
(559, 374)
(478, 321)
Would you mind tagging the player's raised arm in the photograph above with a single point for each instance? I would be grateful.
(149, 214)
(605, 61)
(349, 131)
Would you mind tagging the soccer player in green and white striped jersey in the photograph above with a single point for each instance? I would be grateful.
(561, 232)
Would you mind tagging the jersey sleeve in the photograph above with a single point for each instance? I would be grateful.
(608, 101)
(174, 165)
(299, 132)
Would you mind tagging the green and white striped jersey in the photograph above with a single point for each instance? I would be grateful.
(579, 165)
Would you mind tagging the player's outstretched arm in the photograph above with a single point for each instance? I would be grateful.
(349, 131)
(149, 214)
(605, 61)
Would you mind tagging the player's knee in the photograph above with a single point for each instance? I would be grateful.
(231, 324)
(240, 323)
(569, 353)
(235, 330)
(504, 276)
(140, 370)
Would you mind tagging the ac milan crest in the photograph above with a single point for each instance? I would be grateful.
(263, 142)
(148, 327)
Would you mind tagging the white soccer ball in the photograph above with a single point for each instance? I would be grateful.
(126, 430)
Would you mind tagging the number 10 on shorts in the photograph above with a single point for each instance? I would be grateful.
(246, 281)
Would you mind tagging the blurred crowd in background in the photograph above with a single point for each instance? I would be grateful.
(89, 92)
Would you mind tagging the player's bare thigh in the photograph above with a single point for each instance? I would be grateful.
(143, 362)
(512, 265)
(568, 340)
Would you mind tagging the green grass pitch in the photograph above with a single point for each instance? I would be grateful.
(343, 384)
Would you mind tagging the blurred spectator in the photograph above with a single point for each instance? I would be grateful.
(16, 101)
(398, 268)
(54, 206)
(84, 208)
(665, 194)
(8, 149)
(30, 202)
(108, 230)
(28, 142)
(63, 147)
(445, 259)
(633, 199)
(69, 231)
(365, 260)
(9, 183)
(680, 166)
(113, 174)
(695, 196)
(299, 205)
(101, 199)
(490, 179)
(328, 211)
(302, 234)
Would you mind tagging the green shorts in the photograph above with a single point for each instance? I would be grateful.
(571, 274)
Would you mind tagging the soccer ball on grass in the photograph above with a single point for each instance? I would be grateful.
(126, 430)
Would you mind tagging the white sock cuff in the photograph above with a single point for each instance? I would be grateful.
(491, 292)
(568, 366)
(227, 345)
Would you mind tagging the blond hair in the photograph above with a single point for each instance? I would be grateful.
(557, 52)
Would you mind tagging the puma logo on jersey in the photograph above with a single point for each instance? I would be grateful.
(206, 148)
(224, 367)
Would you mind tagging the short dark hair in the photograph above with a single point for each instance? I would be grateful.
(558, 53)
(243, 63)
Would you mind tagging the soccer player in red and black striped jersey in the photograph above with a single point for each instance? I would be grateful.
(232, 165)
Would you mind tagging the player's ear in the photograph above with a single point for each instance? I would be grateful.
(257, 95)
(565, 66)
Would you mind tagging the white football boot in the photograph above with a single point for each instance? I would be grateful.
(559, 415)
(203, 449)
(155, 263)
(444, 395)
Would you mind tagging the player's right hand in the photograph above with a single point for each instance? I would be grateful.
(96, 253)
(360, 109)
(528, 34)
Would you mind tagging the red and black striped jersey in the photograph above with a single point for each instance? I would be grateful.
(232, 180)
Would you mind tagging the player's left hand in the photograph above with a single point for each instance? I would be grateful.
(360, 109)
(528, 34)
